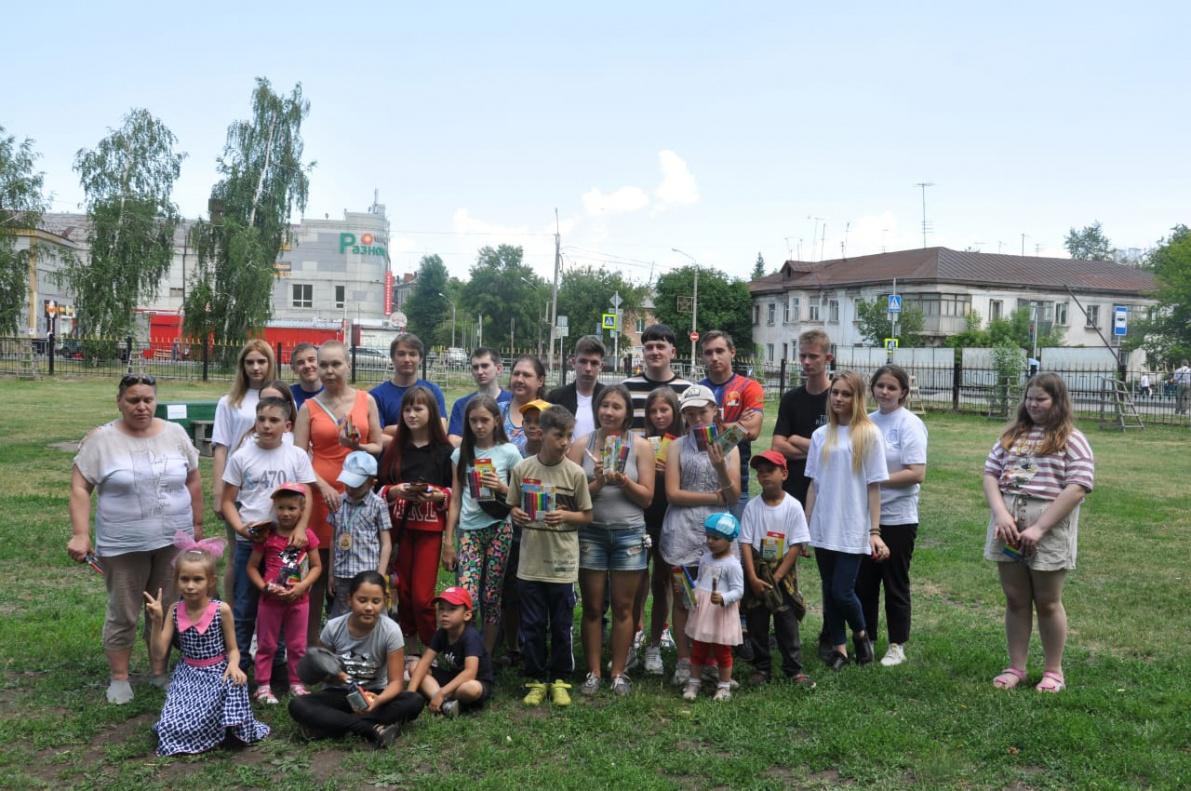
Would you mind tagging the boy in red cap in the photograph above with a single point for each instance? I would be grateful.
(772, 534)
(463, 674)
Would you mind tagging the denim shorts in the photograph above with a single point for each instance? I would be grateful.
(612, 548)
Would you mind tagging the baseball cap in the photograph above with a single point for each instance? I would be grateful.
(696, 395)
(358, 467)
(723, 525)
(455, 595)
(289, 487)
(537, 404)
(771, 456)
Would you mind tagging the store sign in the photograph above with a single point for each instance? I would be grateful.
(366, 244)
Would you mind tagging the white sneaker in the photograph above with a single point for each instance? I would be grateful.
(639, 638)
(894, 656)
(692, 691)
(630, 661)
(653, 660)
(682, 673)
(591, 686)
(667, 639)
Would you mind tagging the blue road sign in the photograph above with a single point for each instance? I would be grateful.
(895, 303)
(1120, 320)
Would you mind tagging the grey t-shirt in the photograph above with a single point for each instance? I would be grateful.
(364, 658)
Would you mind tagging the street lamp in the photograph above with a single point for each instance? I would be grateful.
(448, 299)
(694, 302)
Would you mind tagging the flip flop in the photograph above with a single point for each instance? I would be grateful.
(1051, 682)
(1009, 678)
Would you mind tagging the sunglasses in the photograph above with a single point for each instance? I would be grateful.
(128, 380)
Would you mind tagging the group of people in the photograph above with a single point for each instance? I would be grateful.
(359, 498)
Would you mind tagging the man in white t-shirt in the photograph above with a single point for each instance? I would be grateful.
(1182, 383)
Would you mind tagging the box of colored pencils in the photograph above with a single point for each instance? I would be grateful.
(537, 500)
(616, 453)
(478, 490)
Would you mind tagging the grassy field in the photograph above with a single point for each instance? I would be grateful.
(934, 723)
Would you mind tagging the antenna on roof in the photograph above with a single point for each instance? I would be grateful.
(883, 232)
(925, 225)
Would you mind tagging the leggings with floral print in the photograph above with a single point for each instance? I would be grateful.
(483, 556)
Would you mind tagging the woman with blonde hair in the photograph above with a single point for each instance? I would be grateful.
(846, 465)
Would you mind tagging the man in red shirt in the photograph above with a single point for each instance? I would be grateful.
(741, 401)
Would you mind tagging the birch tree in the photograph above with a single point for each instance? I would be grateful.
(21, 206)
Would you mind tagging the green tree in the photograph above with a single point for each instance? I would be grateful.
(1090, 244)
(585, 295)
(724, 304)
(264, 179)
(503, 291)
(128, 180)
(21, 206)
(875, 325)
(1167, 337)
(758, 268)
(1012, 331)
(430, 303)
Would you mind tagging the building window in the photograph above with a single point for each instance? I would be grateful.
(303, 295)
(640, 325)
(812, 311)
(1093, 313)
(794, 309)
(996, 309)
(786, 312)
(833, 311)
(756, 314)
(1061, 313)
(785, 351)
(769, 352)
(177, 292)
(340, 296)
(772, 313)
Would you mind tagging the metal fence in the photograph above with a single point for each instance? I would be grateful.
(965, 382)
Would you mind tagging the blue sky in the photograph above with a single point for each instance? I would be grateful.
(720, 129)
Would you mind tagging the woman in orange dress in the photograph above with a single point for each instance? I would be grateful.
(331, 425)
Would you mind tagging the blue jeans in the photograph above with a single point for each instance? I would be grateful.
(738, 509)
(547, 608)
(838, 571)
(247, 599)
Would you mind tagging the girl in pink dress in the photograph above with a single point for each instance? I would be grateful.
(714, 625)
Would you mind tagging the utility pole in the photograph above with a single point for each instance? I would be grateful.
(694, 303)
(554, 304)
(925, 227)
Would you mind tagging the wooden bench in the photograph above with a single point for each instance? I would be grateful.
(202, 436)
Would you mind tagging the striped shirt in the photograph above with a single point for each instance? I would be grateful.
(1020, 470)
(356, 544)
(640, 387)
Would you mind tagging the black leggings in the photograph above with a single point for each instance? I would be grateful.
(330, 715)
(894, 576)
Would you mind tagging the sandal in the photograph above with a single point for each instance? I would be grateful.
(1009, 678)
(1051, 682)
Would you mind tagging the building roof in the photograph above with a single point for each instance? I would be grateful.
(936, 265)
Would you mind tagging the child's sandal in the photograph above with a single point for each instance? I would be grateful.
(1051, 682)
(1009, 678)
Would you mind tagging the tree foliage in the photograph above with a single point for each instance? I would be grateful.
(430, 303)
(1089, 244)
(1167, 337)
(21, 206)
(758, 268)
(585, 295)
(724, 304)
(875, 324)
(504, 292)
(264, 180)
(128, 180)
(1012, 331)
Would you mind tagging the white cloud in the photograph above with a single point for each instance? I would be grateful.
(625, 199)
(678, 187)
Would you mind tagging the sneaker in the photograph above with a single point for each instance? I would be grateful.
(450, 709)
(682, 672)
(630, 661)
(837, 661)
(862, 648)
(758, 679)
(537, 693)
(894, 656)
(722, 692)
(265, 695)
(387, 734)
(558, 693)
(120, 692)
(691, 692)
(667, 639)
(711, 673)
(639, 638)
(298, 689)
(590, 686)
(653, 660)
(804, 681)
(621, 685)
(161, 681)
(252, 646)
(826, 649)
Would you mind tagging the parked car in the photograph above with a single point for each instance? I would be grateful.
(455, 355)
(372, 360)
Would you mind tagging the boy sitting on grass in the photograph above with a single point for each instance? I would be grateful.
(556, 491)
(463, 674)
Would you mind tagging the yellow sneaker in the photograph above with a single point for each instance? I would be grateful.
(559, 695)
(536, 694)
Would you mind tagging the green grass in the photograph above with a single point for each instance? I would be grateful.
(935, 722)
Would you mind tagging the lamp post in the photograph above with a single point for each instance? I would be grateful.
(694, 301)
(448, 299)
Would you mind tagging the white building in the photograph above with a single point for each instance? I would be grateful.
(947, 286)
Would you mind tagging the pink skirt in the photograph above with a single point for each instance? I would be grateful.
(713, 623)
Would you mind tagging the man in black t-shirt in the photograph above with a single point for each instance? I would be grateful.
(802, 410)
